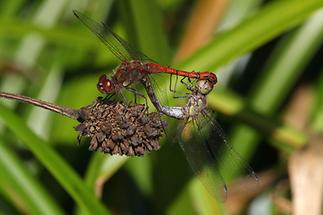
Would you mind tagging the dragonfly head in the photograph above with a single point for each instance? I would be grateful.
(204, 86)
(212, 78)
(105, 85)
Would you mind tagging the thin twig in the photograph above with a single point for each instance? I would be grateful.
(69, 112)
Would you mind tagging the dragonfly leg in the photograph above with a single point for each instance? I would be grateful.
(182, 97)
(188, 86)
(109, 96)
(136, 93)
(173, 90)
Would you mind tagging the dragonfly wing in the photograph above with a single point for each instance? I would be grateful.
(118, 46)
(202, 160)
(220, 145)
(204, 150)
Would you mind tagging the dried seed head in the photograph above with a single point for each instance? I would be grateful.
(116, 128)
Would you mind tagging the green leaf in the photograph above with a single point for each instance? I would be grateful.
(29, 190)
(78, 190)
(279, 76)
(266, 24)
(144, 29)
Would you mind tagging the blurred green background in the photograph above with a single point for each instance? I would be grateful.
(268, 58)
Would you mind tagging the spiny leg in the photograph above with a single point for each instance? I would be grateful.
(125, 101)
(182, 97)
(136, 93)
(174, 89)
(109, 96)
(188, 86)
(170, 84)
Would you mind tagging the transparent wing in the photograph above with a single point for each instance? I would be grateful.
(118, 46)
(203, 151)
(218, 135)
(202, 159)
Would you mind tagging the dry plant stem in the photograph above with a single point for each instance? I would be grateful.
(283, 204)
(11, 67)
(306, 176)
(204, 18)
(99, 185)
(245, 189)
(299, 108)
(71, 113)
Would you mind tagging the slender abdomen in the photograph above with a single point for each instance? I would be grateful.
(156, 68)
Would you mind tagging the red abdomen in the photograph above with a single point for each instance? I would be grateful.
(156, 68)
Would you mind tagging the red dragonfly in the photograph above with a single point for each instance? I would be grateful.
(201, 152)
(134, 65)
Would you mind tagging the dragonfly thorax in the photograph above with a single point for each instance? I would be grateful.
(196, 105)
(129, 72)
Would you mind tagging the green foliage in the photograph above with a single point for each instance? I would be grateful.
(55, 56)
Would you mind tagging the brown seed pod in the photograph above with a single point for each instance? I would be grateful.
(116, 128)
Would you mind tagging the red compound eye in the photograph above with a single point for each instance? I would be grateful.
(104, 84)
(212, 78)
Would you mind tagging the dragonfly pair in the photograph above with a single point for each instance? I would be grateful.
(201, 152)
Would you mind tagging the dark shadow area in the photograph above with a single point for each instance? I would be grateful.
(171, 175)
(122, 195)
